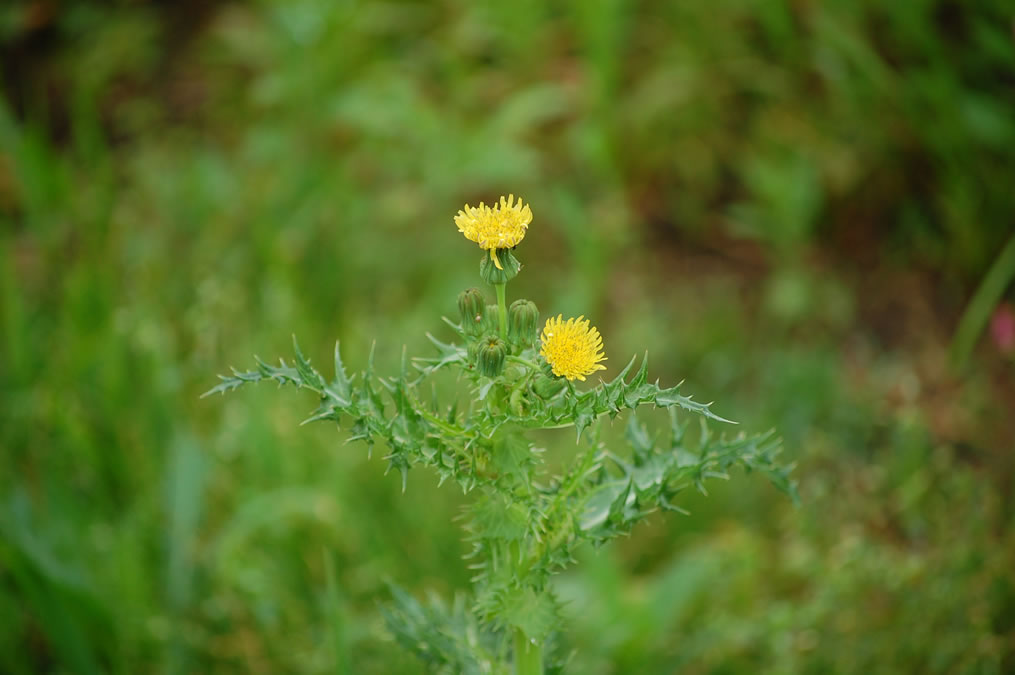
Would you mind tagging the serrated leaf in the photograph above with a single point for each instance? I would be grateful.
(637, 436)
(307, 373)
(341, 383)
(670, 397)
(446, 637)
(534, 614)
(495, 517)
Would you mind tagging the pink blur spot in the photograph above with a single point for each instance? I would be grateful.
(1002, 328)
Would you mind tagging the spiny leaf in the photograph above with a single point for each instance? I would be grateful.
(306, 371)
(534, 614)
(669, 397)
(228, 383)
(341, 382)
(615, 396)
(449, 638)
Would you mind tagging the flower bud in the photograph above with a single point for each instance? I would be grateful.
(509, 267)
(546, 387)
(492, 352)
(491, 320)
(470, 306)
(523, 321)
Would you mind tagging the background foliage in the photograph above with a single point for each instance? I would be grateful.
(789, 204)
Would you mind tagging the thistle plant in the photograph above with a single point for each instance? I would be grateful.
(524, 523)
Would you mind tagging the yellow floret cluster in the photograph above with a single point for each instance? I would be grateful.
(573, 348)
(498, 227)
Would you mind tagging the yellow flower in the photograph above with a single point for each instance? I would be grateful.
(573, 349)
(502, 226)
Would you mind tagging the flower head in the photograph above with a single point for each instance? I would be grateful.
(572, 348)
(500, 226)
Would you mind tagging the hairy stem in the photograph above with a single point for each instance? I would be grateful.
(502, 309)
(528, 655)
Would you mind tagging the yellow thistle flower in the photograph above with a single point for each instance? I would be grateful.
(502, 226)
(573, 349)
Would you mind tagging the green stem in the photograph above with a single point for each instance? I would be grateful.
(984, 301)
(502, 309)
(524, 362)
(528, 655)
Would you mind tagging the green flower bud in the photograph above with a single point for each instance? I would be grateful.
(546, 387)
(492, 352)
(523, 321)
(470, 306)
(491, 324)
(499, 275)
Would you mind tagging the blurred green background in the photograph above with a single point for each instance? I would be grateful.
(789, 204)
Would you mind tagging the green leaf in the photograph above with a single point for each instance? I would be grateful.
(448, 637)
(536, 614)
(495, 517)
(307, 373)
(341, 383)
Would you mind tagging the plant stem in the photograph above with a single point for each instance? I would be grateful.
(984, 301)
(525, 362)
(528, 655)
(502, 309)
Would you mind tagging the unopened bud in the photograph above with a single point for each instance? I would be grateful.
(470, 306)
(547, 387)
(499, 275)
(523, 321)
(491, 322)
(492, 352)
